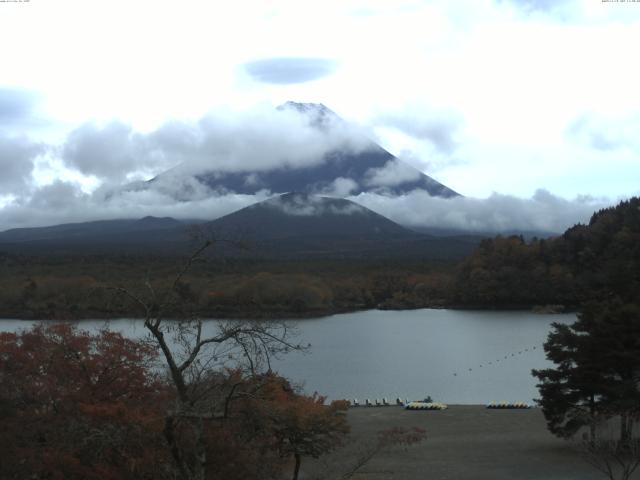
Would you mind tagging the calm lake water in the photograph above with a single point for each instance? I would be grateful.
(463, 357)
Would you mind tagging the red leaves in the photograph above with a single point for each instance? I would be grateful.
(299, 424)
(77, 405)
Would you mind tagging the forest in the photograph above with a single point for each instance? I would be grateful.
(594, 261)
(553, 274)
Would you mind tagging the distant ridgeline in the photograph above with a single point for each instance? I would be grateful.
(320, 256)
(288, 226)
(595, 261)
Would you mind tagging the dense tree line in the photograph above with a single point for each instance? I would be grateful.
(586, 262)
(70, 288)
(596, 377)
(595, 261)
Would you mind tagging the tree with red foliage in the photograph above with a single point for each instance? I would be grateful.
(78, 405)
(298, 425)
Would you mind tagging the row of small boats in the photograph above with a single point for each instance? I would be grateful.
(428, 404)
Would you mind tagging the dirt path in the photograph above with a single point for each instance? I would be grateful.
(463, 443)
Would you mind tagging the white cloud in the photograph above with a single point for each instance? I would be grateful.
(340, 187)
(252, 141)
(481, 91)
(64, 202)
(543, 212)
(392, 174)
(311, 206)
(607, 133)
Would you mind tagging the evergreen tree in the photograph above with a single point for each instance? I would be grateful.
(597, 373)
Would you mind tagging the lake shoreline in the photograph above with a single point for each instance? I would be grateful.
(286, 314)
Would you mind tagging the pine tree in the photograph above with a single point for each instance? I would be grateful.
(597, 373)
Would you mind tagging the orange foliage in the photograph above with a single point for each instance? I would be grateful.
(76, 405)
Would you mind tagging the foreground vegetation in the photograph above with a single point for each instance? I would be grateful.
(79, 406)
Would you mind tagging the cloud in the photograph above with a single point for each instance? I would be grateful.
(17, 155)
(606, 133)
(340, 187)
(285, 70)
(64, 202)
(109, 152)
(438, 129)
(57, 196)
(312, 206)
(393, 173)
(254, 141)
(541, 5)
(16, 105)
(544, 212)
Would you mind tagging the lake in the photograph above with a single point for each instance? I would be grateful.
(454, 356)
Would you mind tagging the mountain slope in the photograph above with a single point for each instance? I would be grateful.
(298, 225)
(340, 172)
(293, 225)
(104, 236)
(301, 215)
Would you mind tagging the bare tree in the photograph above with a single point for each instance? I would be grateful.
(195, 354)
(616, 458)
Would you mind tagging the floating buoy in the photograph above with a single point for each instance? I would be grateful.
(508, 405)
(425, 406)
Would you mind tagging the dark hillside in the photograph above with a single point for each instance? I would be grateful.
(586, 262)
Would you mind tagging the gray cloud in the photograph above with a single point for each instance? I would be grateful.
(285, 70)
(498, 213)
(109, 152)
(304, 206)
(392, 174)
(606, 134)
(64, 202)
(340, 187)
(17, 155)
(437, 129)
(16, 105)
(57, 196)
(255, 141)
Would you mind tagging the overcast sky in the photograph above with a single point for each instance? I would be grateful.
(523, 106)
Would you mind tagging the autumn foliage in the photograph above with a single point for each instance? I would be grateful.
(75, 405)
